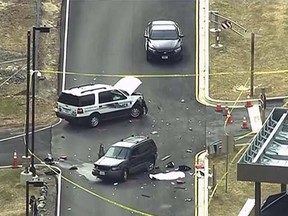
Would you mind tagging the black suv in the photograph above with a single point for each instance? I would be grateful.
(128, 156)
(163, 40)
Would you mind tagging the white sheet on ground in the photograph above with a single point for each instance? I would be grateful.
(168, 176)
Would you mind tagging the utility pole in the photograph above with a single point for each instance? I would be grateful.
(27, 99)
(252, 64)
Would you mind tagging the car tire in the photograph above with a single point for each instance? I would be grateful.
(94, 120)
(151, 165)
(124, 176)
(136, 111)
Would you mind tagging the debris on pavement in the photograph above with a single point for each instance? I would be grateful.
(179, 181)
(73, 168)
(184, 168)
(154, 132)
(49, 160)
(177, 187)
(170, 164)
(144, 195)
(166, 157)
(63, 157)
(115, 184)
(167, 176)
(188, 200)
(182, 101)
(189, 151)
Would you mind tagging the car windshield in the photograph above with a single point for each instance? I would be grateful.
(117, 152)
(163, 35)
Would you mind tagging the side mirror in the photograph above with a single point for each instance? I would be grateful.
(145, 36)
(181, 35)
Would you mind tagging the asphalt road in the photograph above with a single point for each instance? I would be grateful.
(106, 37)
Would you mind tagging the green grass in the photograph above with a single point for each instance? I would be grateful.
(11, 106)
(12, 194)
(268, 20)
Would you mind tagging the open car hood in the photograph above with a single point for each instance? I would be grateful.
(128, 84)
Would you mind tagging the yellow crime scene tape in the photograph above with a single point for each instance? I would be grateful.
(239, 138)
(158, 75)
(122, 206)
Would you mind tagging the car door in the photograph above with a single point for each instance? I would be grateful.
(113, 103)
(134, 161)
(146, 35)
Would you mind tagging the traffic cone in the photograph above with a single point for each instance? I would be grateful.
(244, 123)
(15, 160)
(229, 119)
(248, 102)
(218, 108)
(226, 109)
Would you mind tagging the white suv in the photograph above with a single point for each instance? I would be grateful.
(93, 103)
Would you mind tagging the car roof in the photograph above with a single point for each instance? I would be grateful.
(163, 22)
(130, 141)
(88, 89)
(163, 27)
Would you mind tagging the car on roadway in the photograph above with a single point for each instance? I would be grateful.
(163, 40)
(93, 103)
(128, 156)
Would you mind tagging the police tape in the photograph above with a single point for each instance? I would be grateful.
(99, 196)
(158, 75)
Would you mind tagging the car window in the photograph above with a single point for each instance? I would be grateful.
(164, 35)
(144, 148)
(117, 152)
(135, 151)
(105, 97)
(87, 100)
(117, 95)
(68, 99)
(78, 101)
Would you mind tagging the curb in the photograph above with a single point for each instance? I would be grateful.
(196, 183)
(36, 131)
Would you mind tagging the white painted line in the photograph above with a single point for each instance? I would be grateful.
(255, 118)
(23, 134)
(65, 44)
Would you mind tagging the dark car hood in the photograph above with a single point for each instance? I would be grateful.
(105, 161)
(164, 44)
